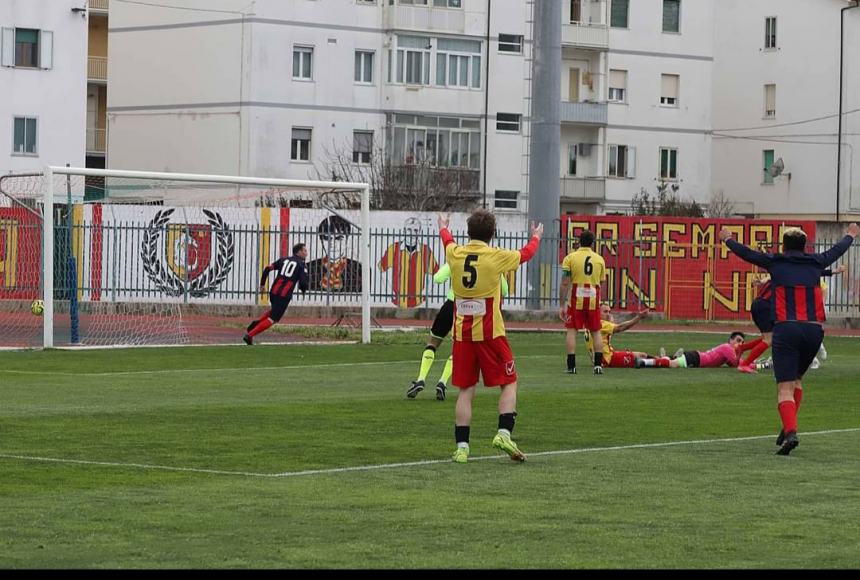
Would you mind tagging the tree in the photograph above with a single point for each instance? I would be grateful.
(720, 206)
(420, 185)
(665, 203)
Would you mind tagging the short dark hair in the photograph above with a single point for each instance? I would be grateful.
(586, 239)
(298, 248)
(334, 224)
(481, 225)
(737, 333)
(794, 239)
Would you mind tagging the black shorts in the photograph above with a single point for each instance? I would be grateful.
(279, 306)
(794, 346)
(693, 359)
(444, 321)
(762, 314)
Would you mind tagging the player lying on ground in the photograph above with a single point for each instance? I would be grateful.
(798, 314)
(438, 331)
(480, 346)
(615, 358)
(723, 354)
(290, 273)
(762, 315)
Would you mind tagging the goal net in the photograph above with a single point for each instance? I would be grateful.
(139, 258)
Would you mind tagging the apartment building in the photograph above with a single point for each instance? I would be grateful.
(97, 75)
(776, 101)
(43, 47)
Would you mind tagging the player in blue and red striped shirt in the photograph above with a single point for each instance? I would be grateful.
(291, 273)
(798, 312)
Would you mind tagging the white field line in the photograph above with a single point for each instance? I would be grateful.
(361, 468)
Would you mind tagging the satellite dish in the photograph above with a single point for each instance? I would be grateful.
(777, 168)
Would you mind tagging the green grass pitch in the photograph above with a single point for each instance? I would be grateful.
(168, 458)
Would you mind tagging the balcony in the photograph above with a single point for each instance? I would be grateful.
(586, 189)
(425, 18)
(97, 141)
(591, 36)
(584, 113)
(97, 69)
(98, 6)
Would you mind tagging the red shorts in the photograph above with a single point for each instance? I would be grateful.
(579, 319)
(493, 359)
(621, 359)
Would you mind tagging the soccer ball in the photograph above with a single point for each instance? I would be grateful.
(37, 307)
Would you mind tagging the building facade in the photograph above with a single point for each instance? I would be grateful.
(43, 48)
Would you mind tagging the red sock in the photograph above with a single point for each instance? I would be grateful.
(265, 316)
(264, 325)
(756, 352)
(751, 344)
(798, 397)
(788, 414)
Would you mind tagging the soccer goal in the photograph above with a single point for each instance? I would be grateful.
(142, 258)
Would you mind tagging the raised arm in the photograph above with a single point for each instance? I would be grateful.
(743, 252)
(833, 254)
(628, 324)
(447, 238)
(528, 251)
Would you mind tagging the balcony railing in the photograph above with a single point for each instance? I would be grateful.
(98, 5)
(425, 18)
(97, 68)
(96, 140)
(587, 113)
(583, 188)
(585, 35)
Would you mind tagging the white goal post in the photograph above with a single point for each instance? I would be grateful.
(52, 197)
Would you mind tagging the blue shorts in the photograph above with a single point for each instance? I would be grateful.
(762, 314)
(794, 346)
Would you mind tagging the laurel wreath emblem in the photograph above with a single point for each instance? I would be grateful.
(166, 280)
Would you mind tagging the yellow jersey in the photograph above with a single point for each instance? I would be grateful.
(475, 271)
(587, 270)
(607, 329)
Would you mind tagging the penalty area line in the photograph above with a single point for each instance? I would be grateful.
(377, 467)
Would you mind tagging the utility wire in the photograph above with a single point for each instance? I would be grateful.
(813, 120)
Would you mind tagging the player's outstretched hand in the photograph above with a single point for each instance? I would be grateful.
(853, 230)
(444, 220)
(725, 234)
(840, 269)
(537, 230)
(644, 312)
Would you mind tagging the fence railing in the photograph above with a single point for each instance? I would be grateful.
(97, 68)
(128, 262)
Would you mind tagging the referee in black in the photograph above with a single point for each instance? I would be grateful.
(798, 314)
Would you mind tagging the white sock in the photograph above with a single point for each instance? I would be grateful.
(462, 445)
(505, 432)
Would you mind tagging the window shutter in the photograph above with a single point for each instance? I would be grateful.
(617, 79)
(670, 86)
(8, 47)
(630, 170)
(46, 49)
(770, 98)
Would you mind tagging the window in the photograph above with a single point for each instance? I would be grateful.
(362, 146)
(571, 159)
(618, 16)
(413, 60)
(508, 122)
(511, 43)
(770, 32)
(575, 11)
(767, 159)
(26, 48)
(302, 62)
(436, 141)
(618, 86)
(622, 161)
(506, 199)
(671, 15)
(24, 139)
(669, 90)
(363, 66)
(770, 101)
(668, 163)
(458, 63)
(300, 146)
(444, 3)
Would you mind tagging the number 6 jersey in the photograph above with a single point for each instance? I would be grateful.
(586, 270)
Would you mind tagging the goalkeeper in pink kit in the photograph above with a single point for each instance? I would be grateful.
(727, 353)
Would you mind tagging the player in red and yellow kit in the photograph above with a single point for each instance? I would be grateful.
(480, 346)
(580, 301)
(608, 327)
